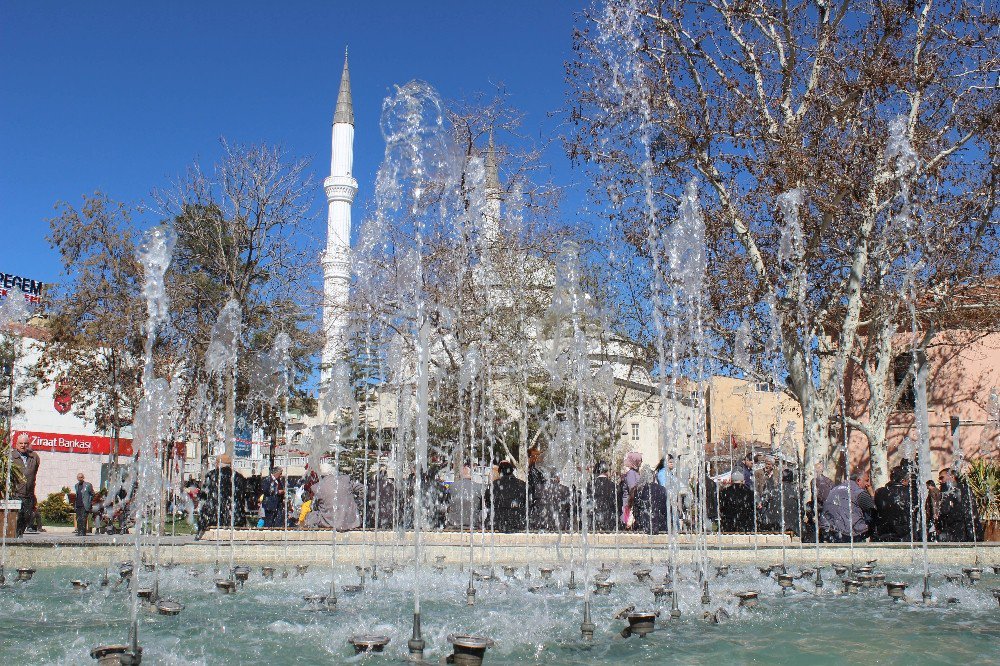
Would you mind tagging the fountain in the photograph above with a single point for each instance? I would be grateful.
(896, 590)
(973, 574)
(640, 623)
(169, 607)
(851, 586)
(80, 585)
(24, 575)
(116, 655)
(748, 599)
(225, 585)
(603, 587)
(468, 650)
(722, 571)
(241, 574)
(267, 573)
(643, 575)
(364, 643)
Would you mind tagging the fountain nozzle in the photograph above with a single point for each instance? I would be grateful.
(416, 643)
(587, 627)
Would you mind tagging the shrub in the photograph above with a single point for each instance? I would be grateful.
(55, 508)
(983, 478)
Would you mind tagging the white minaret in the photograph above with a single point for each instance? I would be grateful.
(494, 197)
(340, 189)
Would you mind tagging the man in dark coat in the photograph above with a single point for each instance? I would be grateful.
(536, 479)
(649, 506)
(606, 501)
(957, 519)
(550, 510)
(507, 500)
(273, 490)
(381, 500)
(894, 515)
(27, 462)
(736, 506)
(223, 497)
(83, 501)
(769, 499)
(792, 500)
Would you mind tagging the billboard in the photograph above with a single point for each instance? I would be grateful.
(62, 443)
(10, 284)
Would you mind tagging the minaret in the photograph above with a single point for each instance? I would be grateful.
(494, 197)
(340, 189)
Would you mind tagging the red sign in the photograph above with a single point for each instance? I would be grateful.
(95, 444)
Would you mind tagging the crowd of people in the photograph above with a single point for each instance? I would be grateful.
(755, 495)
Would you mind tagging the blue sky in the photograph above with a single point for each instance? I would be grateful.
(122, 96)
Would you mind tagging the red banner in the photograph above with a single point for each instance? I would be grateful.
(95, 444)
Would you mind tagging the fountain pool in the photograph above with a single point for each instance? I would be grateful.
(47, 622)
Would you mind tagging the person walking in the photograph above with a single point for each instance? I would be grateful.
(82, 502)
(28, 462)
(273, 491)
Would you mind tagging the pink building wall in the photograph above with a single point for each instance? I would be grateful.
(963, 368)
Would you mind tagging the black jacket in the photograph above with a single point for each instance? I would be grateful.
(216, 494)
(957, 520)
(606, 504)
(895, 517)
(736, 506)
(550, 510)
(507, 504)
(649, 506)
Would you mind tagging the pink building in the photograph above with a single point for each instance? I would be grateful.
(963, 369)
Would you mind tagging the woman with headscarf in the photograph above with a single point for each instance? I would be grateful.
(333, 503)
(630, 480)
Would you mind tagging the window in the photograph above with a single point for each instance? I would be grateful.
(762, 387)
(900, 366)
(635, 432)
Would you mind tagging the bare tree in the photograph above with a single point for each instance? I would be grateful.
(762, 98)
(243, 234)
